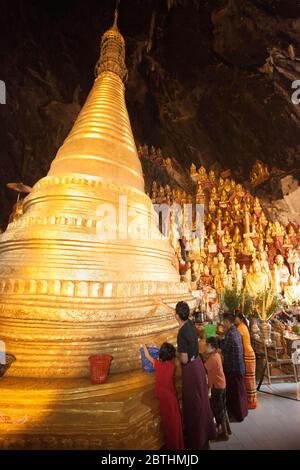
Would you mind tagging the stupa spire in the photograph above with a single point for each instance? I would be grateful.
(101, 142)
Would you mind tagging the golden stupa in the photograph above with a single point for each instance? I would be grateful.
(85, 270)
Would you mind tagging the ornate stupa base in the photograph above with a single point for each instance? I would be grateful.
(74, 414)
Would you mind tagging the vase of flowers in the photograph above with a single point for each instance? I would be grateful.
(266, 304)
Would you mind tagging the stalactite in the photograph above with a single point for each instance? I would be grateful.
(152, 26)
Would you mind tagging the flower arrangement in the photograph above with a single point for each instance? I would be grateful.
(267, 303)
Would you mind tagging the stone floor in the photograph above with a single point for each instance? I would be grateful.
(275, 424)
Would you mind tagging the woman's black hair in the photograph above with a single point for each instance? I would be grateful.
(183, 310)
(242, 317)
(213, 341)
(167, 352)
(229, 316)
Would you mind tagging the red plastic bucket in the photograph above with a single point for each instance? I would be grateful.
(99, 367)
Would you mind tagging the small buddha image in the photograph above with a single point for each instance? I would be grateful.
(248, 246)
(239, 277)
(237, 237)
(193, 170)
(226, 239)
(257, 207)
(212, 176)
(256, 280)
(202, 175)
(227, 185)
(213, 194)
(278, 229)
(224, 199)
(236, 208)
(287, 242)
(283, 270)
(233, 185)
(212, 206)
(214, 266)
(240, 191)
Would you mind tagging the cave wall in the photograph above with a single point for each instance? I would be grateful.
(211, 84)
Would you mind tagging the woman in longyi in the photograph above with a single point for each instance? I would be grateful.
(250, 361)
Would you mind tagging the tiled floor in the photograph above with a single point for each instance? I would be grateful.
(275, 424)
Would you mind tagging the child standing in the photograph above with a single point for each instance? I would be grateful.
(165, 391)
(217, 384)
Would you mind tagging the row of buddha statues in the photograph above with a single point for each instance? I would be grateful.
(154, 155)
(238, 245)
(259, 173)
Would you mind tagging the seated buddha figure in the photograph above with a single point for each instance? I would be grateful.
(224, 199)
(193, 170)
(256, 280)
(202, 175)
(214, 266)
(287, 242)
(214, 194)
(257, 207)
(247, 223)
(233, 185)
(278, 229)
(263, 219)
(240, 191)
(226, 218)
(237, 238)
(227, 185)
(283, 270)
(292, 234)
(226, 238)
(212, 177)
(263, 261)
(212, 206)
(221, 279)
(248, 246)
(236, 208)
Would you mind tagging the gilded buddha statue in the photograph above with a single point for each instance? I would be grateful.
(256, 281)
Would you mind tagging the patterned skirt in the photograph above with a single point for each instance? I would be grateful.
(250, 380)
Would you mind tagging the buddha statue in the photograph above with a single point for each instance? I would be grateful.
(220, 184)
(240, 191)
(227, 185)
(236, 208)
(232, 253)
(278, 229)
(296, 268)
(287, 242)
(206, 271)
(283, 270)
(221, 262)
(212, 206)
(212, 176)
(237, 237)
(213, 194)
(226, 237)
(221, 279)
(193, 170)
(226, 218)
(292, 234)
(276, 279)
(223, 199)
(263, 261)
(244, 271)
(248, 246)
(233, 185)
(263, 219)
(247, 223)
(257, 207)
(200, 196)
(202, 175)
(256, 281)
(214, 266)
(239, 278)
